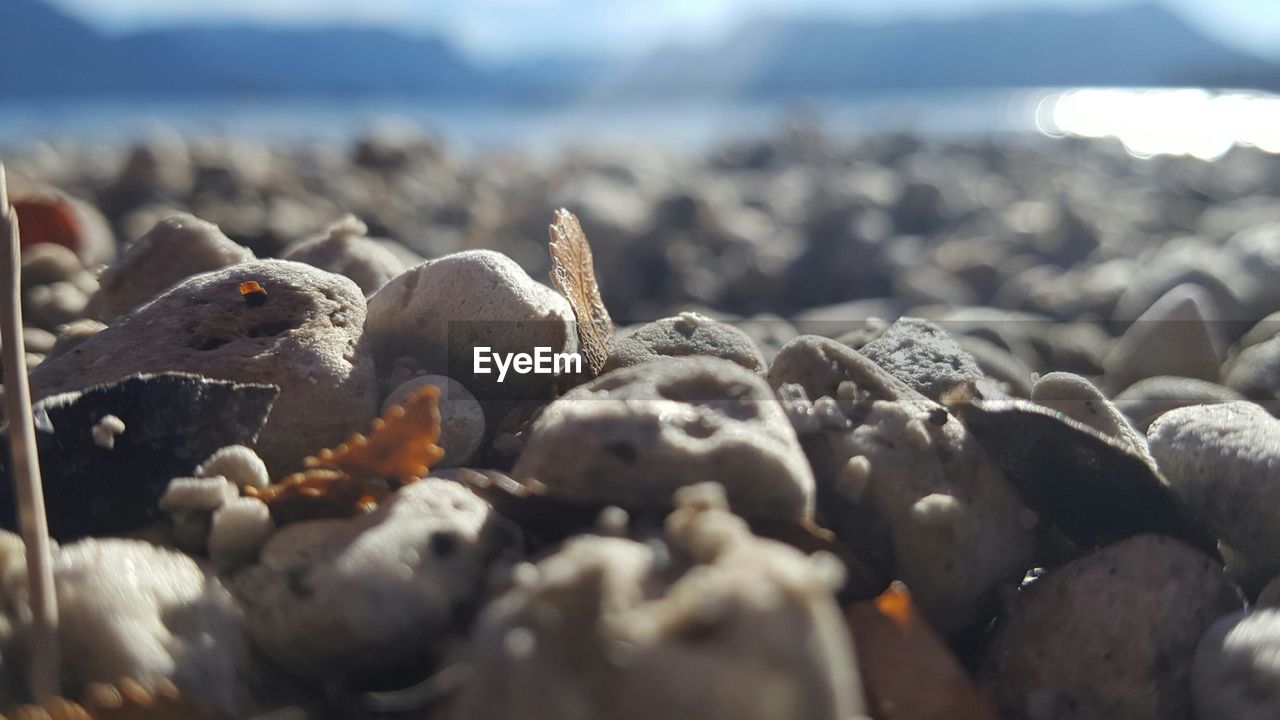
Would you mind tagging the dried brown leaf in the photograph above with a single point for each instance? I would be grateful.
(573, 274)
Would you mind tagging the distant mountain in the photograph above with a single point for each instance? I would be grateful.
(326, 60)
(1135, 45)
(47, 53)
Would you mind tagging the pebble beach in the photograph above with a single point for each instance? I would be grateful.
(891, 427)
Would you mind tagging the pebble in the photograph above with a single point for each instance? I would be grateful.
(1080, 400)
(344, 249)
(238, 464)
(1224, 462)
(923, 356)
(462, 421)
(1255, 373)
(178, 247)
(633, 436)
(1236, 672)
(352, 598)
(1173, 337)
(906, 482)
(305, 339)
(685, 334)
(440, 310)
(630, 612)
(1110, 635)
(1146, 400)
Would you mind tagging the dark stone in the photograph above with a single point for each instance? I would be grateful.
(1091, 487)
(173, 421)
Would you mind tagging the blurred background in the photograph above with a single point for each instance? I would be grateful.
(673, 72)
(1052, 167)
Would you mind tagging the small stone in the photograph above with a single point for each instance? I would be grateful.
(176, 248)
(1110, 635)
(344, 249)
(47, 263)
(1255, 373)
(1078, 399)
(441, 310)
(1222, 461)
(923, 356)
(239, 529)
(1235, 674)
(196, 493)
(629, 611)
(238, 464)
(1172, 337)
(106, 430)
(633, 436)
(353, 598)
(685, 334)
(1146, 400)
(462, 425)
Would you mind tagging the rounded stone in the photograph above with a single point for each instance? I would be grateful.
(344, 249)
(1236, 673)
(331, 599)
(632, 437)
(1080, 400)
(176, 248)
(304, 337)
(462, 425)
(605, 628)
(1110, 635)
(1222, 461)
(1146, 400)
(1173, 337)
(685, 334)
(441, 310)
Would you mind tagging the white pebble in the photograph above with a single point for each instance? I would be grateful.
(238, 464)
(240, 528)
(106, 430)
(196, 493)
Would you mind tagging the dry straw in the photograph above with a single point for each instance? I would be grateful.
(24, 465)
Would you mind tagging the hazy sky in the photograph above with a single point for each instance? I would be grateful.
(502, 28)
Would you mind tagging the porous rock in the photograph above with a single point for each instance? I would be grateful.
(605, 627)
(633, 436)
(923, 356)
(1110, 635)
(905, 482)
(304, 338)
(176, 248)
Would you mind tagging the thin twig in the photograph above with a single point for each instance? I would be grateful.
(24, 464)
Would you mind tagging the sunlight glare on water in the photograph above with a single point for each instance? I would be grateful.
(1189, 121)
